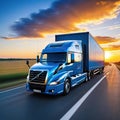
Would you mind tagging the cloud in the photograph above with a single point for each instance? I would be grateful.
(108, 43)
(6, 38)
(115, 27)
(112, 47)
(105, 39)
(64, 16)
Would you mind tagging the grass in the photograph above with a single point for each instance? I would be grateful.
(13, 66)
(13, 72)
(12, 77)
(12, 83)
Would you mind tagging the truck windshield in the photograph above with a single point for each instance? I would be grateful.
(53, 57)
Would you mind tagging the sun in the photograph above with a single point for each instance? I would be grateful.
(107, 55)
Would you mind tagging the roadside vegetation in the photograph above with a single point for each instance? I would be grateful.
(13, 72)
(118, 65)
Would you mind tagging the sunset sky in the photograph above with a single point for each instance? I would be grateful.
(27, 26)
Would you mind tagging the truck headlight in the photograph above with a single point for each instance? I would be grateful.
(58, 80)
(54, 83)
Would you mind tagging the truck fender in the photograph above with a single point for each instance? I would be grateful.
(60, 77)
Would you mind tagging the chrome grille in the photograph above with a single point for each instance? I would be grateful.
(38, 76)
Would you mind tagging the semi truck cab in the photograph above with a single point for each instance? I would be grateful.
(59, 68)
(70, 60)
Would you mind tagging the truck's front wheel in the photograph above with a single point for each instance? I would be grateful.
(67, 86)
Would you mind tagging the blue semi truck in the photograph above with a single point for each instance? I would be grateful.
(70, 60)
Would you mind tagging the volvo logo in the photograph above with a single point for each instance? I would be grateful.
(37, 76)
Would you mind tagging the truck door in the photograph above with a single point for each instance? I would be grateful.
(77, 63)
(74, 63)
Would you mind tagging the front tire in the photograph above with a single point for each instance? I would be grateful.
(67, 87)
(86, 79)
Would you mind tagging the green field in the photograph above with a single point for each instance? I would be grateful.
(13, 72)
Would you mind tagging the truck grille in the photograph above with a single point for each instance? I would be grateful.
(38, 76)
(37, 87)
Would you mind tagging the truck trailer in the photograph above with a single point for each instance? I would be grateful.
(73, 58)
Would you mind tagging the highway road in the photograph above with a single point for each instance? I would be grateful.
(97, 99)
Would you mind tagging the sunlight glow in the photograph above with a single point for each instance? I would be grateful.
(107, 55)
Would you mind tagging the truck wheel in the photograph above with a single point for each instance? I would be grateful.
(67, 87)
(89, 76)
(86, 79)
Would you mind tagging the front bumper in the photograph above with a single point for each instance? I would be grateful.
(45, 89)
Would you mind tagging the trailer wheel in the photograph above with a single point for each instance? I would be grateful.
(67, 87)
(100, 71)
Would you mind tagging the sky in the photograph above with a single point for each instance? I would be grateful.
(27, 26)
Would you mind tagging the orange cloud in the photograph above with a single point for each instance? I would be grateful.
(108, 43)
(105, 39)
(112, 47)
(63, 16)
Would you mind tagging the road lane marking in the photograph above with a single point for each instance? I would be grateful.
(74, 108)
(12, 89)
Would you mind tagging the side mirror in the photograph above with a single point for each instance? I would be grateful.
(27, 62)
(37, 59)
(72, 58)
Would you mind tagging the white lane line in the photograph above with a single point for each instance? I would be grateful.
(70, 113)
(12, 89)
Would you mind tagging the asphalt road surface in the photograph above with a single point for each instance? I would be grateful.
(97, 99)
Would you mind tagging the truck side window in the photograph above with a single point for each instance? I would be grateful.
(78, 57)
(69, 58)
(44, 57)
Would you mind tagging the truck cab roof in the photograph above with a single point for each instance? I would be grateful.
(63, 46)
